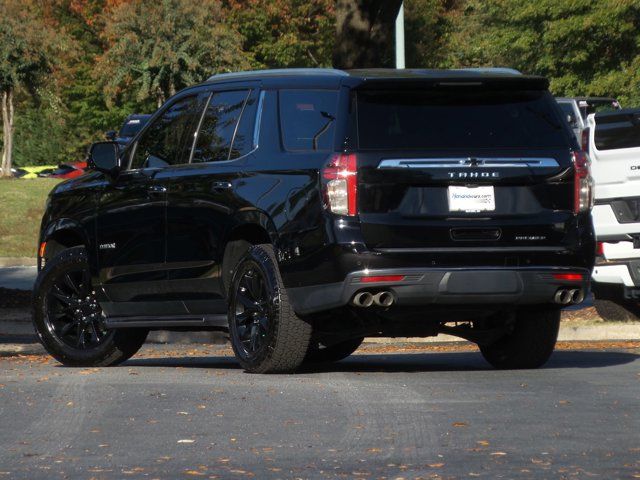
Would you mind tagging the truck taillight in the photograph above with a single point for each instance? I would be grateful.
(585, 140)
(340, 178)
(582, 183)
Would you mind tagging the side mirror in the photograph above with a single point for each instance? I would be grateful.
(111, 135)
(104, 157)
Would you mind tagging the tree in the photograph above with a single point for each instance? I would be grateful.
(28, 48)
(156, 48)
(364, 33)
(285, 33)
(584, 47)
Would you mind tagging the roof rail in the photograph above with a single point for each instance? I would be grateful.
(279, 72)
(511, 71)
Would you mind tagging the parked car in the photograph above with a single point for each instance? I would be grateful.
(131, 126)
(304, 210)
(65, 170)
(577, 109)
(29, 173)
(614, 145)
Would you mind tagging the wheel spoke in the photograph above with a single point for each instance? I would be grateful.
(254, 338)
(60, 295)
(71, 284)
(94, 333)
(244, 333)
(246, 302)
(85, 286)
(79, 336)
(264, 324)
(243, 318)
(68, 327)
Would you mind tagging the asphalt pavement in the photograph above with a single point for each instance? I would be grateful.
(185, 413)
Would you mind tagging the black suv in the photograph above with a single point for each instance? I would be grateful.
(303, 210)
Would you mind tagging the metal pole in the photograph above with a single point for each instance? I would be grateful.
(400, 38)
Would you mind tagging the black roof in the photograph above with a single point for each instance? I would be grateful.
(329, 76)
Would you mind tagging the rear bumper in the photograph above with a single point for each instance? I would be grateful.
(427, 286)
(608, 227)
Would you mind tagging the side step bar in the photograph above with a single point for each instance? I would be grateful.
(159, 322)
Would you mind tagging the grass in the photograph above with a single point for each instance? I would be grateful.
(21, 207)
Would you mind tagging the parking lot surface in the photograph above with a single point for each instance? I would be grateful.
(189, 412)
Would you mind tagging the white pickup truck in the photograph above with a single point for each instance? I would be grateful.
(614, 147)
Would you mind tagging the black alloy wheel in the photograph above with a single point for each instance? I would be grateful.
(253, 310)
(266, 334)
(73, 314)
(69, 321)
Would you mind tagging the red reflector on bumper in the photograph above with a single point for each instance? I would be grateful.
(382, 278)
(576, 277)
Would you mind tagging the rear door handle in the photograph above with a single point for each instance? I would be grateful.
(221, 185)
(157, 189)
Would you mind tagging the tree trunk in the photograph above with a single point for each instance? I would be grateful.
(7, 132)
(365, 33)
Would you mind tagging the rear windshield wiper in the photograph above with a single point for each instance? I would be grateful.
(324, 128)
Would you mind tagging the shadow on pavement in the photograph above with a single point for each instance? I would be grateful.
(417, 362)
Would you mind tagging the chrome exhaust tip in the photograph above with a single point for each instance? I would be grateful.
(577, 296)
(563, 297)
(384, 299)
(362, 299)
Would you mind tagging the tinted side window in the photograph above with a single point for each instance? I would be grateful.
(308, 119)
(617, 130)
(165, 142)
(243, 139)
(219, 126)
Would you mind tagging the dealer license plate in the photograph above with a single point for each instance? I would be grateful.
(471, 199)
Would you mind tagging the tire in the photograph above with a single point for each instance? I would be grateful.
(69, 321)
(529, 343)
(318, 353)
(611, 311)
(265, 333)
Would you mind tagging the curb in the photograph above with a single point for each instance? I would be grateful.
(22, 341)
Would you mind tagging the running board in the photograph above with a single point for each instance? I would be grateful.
(160, 322)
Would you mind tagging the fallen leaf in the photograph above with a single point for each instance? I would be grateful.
(194, 472)
(484, 443)
(374, 450)
(498, 454)
(186, 440)
(435, 465)
(460, 424)
(69, 404)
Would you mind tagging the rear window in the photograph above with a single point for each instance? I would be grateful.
(308, 119)
(436, 119)
(620, 130)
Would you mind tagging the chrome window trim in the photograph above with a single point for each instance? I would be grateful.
(469, 162)
(235, 130)
(258, 122)
(196, 134)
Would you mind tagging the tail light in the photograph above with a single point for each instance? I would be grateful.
(571, 277)
(585, 140)
(340, 178)
(582, 184)
(600, 249)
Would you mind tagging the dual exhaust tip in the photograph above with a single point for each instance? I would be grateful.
(566, 296)
(367, 299)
